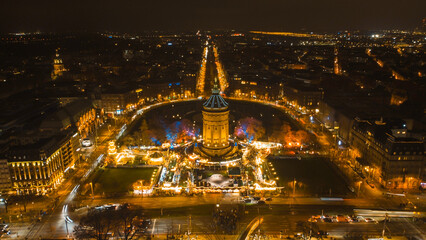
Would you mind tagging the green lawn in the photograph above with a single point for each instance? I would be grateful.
(314, 176)
(118, 180)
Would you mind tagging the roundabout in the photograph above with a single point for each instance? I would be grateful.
(203, 154)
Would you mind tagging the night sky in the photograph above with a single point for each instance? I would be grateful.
(271, 15)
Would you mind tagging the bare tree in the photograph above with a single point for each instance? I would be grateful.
(130, 222)
(125, 221)
(96, 224)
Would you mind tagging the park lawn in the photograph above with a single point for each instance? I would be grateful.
(316, 176)
(118, 180)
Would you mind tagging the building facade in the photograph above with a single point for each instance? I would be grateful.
(336, 118)
(215, 125)
(170, 90)
(39, 168)
(305, 98)
(5, 181)
(388, 157)
(79, 114)
(116, 103)
(254, 87)
(58, 67)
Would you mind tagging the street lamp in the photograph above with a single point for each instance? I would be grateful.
(91, 186)
(359, 188)
(294, 187)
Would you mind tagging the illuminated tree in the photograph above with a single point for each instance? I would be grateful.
(184, 130)
(249, 129)
(301, 136)
(281, 134)
(285, 135)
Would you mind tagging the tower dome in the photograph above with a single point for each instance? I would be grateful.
(215, 101)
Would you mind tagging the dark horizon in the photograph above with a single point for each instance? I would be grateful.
(268, 15)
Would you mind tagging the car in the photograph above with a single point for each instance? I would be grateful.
(261, 202)
(370, 220)
(268, 199)
(256, 198)
(341, 219)
(99, 208)
(327, 219)
(322, 233)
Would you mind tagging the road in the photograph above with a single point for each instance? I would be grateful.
(211, 72)
(172, 213)
(184, 201)
(277, 218)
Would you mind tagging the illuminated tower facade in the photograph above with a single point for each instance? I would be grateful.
(58, 66)
(215, 125)
(337, 68)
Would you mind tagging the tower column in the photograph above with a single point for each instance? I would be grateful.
(215, 125)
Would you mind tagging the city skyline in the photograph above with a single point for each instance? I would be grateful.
(137, 16)
(201, 120)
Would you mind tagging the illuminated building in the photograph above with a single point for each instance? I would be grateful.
(306, 97)
(337, 68)
(216, 126)
(156, 158)
(250, 86)
(117, 101)
(79, 114)
(391, 158)
(5, 181)
(58, 67)
(39, 168)
(111, 148)
(398, 97)
(170, 90)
